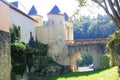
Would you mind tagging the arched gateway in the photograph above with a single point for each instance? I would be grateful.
(96, 47)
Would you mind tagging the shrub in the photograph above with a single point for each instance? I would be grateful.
(84, 60)
(18, 58)
(104, 62)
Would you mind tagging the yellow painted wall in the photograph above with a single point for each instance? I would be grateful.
(4, 17)
(39, 19)
(69, 30)
(42, 34)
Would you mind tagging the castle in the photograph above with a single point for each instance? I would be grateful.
(59, 28)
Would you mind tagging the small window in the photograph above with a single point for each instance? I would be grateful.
(19, 27)
(52, 22)
(60, 22)
(30, 34)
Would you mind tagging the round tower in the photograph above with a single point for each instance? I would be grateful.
(57, 36)
(56, 23)
(56, 20)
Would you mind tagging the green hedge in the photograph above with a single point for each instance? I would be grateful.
(104, 62)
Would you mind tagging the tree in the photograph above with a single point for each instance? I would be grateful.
(114, 46)
(97, 27)
(17, 53)
(84, 60)
(15, 33)
(111, 7)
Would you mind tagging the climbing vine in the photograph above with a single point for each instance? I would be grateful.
(114, 48)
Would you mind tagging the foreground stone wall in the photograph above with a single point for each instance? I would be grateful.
(5, 59)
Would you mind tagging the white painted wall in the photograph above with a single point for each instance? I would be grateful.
(69, 30)
(26, 25)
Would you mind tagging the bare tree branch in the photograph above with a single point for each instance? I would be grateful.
(113, 9)
(106, 10)
(118, 6)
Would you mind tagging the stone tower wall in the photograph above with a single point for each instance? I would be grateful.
(5, 57)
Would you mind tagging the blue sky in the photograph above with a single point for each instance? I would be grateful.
(44, 6)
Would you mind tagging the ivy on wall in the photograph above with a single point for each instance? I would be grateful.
(114, 47)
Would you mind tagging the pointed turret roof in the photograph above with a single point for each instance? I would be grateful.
(33, 11)
(55, 10)
(15, 4)
(66, 16)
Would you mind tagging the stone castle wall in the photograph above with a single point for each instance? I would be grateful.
(5, 59)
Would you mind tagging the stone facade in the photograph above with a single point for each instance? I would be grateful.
(95, 50)
(5, 59)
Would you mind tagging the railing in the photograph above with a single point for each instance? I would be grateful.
(87, 41)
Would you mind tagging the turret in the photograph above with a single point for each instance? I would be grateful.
(33, 13)
(69, 28)
(57, 37)
(55, 17)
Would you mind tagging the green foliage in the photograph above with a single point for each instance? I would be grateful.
(84, 60)
(104, 61)
(18, 58)
(114, 42)
(82, 2)
(22, 54)
(111, 7)
(45, 61)
(17, 52)
(39, 51)
(100, 1)
(114, 46)
(15, 33)
(103, 74)
(36, 47)
(99, 27)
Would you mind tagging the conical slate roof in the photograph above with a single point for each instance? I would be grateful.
(55, 10)
(15, 4)
(66, 16)
(33, 11)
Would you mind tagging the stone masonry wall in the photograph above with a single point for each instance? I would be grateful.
(5, 59)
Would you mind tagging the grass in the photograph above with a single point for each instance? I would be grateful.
(106, 74)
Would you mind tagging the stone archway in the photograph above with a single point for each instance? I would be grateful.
(73, 60)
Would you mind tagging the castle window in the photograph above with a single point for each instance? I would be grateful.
(30, 34)
(19, 27)
(52, 22)
(60, 22)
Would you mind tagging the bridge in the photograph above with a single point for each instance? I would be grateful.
(95, 47)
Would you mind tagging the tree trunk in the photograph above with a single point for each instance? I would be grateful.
(119, 70)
